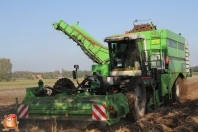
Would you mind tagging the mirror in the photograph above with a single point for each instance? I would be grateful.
(76, 66)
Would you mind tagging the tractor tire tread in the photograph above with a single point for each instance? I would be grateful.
(131, 95)
(64, 82)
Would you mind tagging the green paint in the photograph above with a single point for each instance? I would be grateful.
(102, 69)
(73, 106)
(69, 106)
(164, 42)
(90, 46)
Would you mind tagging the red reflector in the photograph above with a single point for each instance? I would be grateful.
(167, 60)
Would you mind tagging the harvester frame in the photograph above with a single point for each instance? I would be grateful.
(140, 70)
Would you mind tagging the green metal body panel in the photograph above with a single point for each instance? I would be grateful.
(157, 39)
(66, 106)
(75, 26)
(102, 69)
(90, 46)
(177, 58)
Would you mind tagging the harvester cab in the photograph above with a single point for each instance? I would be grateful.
(125, 54)
(128, 52)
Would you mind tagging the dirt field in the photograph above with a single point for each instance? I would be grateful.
(178, 117)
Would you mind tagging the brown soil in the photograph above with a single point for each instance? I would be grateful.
(182, 117)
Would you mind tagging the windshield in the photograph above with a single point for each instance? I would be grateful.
(124, 54)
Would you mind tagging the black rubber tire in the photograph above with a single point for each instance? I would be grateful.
(137, 109)
(64, 84)
(179, 90)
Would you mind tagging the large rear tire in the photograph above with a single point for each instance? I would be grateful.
(64, 84)
(136, 95)
(179, 90)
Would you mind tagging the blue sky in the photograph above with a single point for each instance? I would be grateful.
(28, 39)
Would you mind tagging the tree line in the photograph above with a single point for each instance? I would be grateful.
(6, 73)
(56, 74)
(194, 69)
(48, 75)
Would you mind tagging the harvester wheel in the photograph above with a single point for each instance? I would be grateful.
(179, 90)
(64, 84)
(136, 95)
